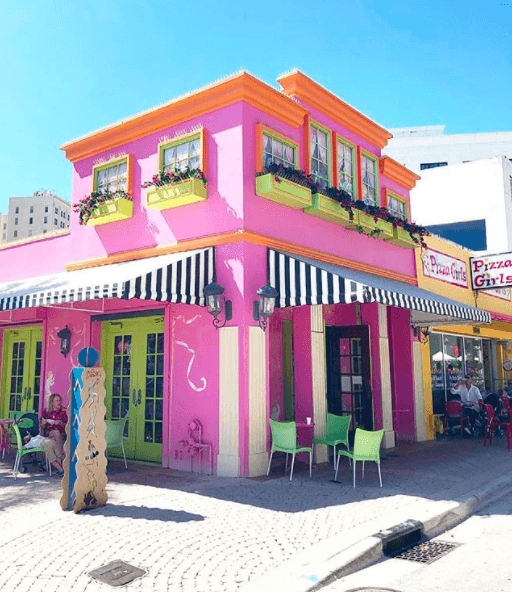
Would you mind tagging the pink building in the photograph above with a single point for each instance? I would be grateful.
(129, 280)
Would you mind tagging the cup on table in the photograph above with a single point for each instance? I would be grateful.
(308, 420)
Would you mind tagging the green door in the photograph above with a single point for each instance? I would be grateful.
(21, 370)
(133, 358)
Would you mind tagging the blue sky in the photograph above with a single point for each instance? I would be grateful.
(70, 67)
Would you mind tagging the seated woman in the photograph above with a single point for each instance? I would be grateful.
(53, 423)
(50, 450)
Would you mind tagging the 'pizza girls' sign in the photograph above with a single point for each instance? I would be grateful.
(445, 268)
(492, 271)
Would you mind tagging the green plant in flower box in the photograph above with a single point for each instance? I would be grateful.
(103, 207)
(171, 190)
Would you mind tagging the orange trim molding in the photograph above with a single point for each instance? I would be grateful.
(359, 173)
(334, 159)
(307, 144)
(249, 236)
(243, 87)
(304, 88)
(396, 172)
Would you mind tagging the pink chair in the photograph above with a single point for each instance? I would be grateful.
(194, 445)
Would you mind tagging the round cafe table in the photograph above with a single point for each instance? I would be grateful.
(304, 433)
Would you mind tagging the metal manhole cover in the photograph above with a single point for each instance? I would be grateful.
(117, 573)
(427, 552)
(372, 590)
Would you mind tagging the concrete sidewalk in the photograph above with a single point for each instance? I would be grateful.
(200, 533)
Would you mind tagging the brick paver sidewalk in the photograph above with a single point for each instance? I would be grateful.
(202, 534)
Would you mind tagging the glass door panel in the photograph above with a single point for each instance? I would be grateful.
(349, 374)
(21, 379)
(151, 397)
(133, 357)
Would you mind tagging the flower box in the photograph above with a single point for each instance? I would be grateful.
(402, 238)
(283, 191)
(329, 209)
(369, 225)
(183, 193)
(111, 211)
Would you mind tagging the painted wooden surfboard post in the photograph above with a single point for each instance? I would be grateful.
(85, 479)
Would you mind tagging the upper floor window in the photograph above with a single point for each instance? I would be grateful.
(397, 206)
(432, 165)
(16, 221)
(319, 146)
(46, 209)
(181, 154)
(15, 233)
(278, 152)
(111, 177)
(5, 226)
(46, 219)
(30, 232)
(369, 179)
(346, 169)
(56, 211)
(31, 220)
(31, 209)
(17, 210)
(55, 222)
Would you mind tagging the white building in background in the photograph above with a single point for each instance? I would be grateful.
(41, 213)
(3, 228)
(469, 204)
(423, 148)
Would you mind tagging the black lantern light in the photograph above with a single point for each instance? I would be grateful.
(264, 309)
(65, 340)
(214, 301)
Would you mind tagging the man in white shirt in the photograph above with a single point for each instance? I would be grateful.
(469, 396)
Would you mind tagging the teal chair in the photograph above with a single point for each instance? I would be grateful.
(21, 452)
(336, 432)
(284, 439)
(366, 448)
(114, 435)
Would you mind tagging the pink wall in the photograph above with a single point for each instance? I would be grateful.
(221, 212)
(40, 257)
(194, 392)
(402, 380)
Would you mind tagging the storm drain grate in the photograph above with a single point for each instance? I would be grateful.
(117, 573)
(427, 552)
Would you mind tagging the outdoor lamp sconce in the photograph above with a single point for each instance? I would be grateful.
(214, 300)
(264, 309)
(423, 333)
(65, 340)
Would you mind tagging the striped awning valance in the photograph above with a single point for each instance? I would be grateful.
(301, 281)
(180, 277)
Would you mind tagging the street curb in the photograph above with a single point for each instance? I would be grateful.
(293, 576)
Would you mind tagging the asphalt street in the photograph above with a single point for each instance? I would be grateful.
(479, 562)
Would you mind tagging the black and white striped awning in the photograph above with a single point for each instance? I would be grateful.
(301, 281)
(180, 277)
